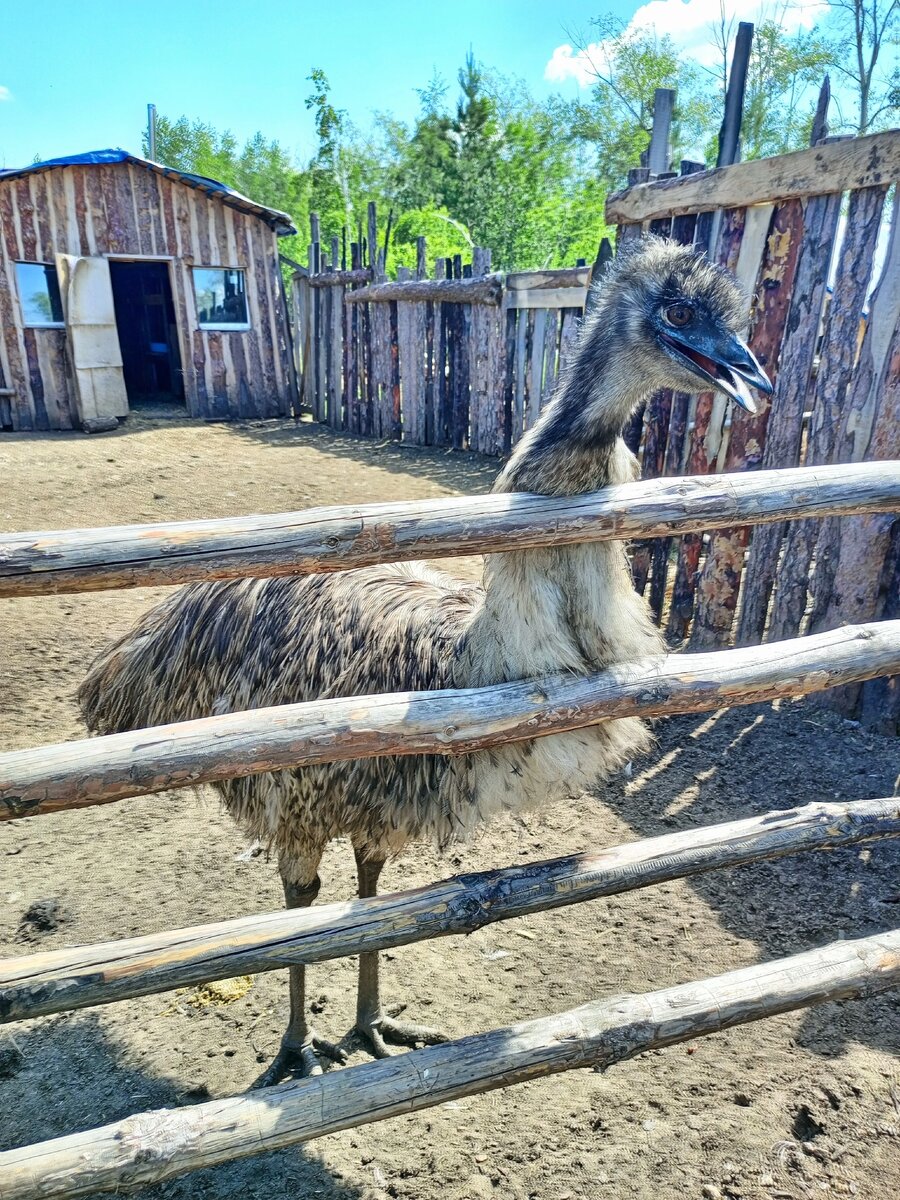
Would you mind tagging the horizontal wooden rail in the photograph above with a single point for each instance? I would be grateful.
(549, 280)
(99, 770)
(487, 289)
(337, 539)
(338, 278)
(835, 167)
(154, 1146)
(61, 980)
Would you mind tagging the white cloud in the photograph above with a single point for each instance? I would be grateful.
(689, 24)
(5, 93)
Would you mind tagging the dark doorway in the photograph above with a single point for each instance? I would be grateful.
(148, 335)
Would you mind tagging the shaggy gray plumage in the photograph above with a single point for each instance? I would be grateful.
(224, 647)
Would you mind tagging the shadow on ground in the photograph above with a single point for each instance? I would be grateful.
(462, 471)
(739, 763)
(62, 1060)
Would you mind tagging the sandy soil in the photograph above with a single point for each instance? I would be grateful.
(805, 1105)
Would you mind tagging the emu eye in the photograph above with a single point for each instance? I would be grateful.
(679, 315)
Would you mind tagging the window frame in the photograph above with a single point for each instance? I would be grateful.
(26, 324)
(221, 326)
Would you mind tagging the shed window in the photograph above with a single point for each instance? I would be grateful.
(39, 294)
(221, 298)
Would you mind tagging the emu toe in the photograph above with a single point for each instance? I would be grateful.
(298, 1061)
(382, 1030)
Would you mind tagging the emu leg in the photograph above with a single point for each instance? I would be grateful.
(300, 1046)
(376, 1025)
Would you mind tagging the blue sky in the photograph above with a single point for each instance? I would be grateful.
(78, 74)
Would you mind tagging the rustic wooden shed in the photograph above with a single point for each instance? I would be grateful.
(123, 281)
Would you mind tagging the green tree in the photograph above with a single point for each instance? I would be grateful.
(868, 31)
(783, 79)
(260, 169)
(628, 66)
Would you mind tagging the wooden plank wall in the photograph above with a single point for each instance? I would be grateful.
(477, 376)
(125, 209)
(432, 373)
(835, 362)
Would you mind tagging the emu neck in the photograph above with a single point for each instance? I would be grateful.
(576, 446)
(566, 608)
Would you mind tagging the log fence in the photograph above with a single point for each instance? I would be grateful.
(150, 1147)
(834, 356)
(36, 985)
(479, 354)
(799, 535)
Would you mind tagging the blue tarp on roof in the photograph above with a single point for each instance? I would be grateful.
(279, 221)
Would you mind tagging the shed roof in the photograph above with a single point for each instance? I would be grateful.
(280, 222)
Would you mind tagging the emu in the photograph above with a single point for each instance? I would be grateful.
(664, 317)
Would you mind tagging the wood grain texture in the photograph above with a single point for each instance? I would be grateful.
(719, 585)
(842, 387)
(100, 770)
(700, 456)
(64, 980)
(487, 290)
(842, 166)
(149, 1147)
(782, 448)
(344, 537)
(125, 209)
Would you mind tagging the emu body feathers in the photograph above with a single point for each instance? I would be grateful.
(223, 647)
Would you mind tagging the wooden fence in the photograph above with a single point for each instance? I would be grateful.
(837, 394)
(150, 1147)
(465, 359)
(469, 359)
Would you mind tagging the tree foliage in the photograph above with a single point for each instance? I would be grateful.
(486, 163)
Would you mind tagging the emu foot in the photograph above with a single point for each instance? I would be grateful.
(295, 1061)
(382, 1029)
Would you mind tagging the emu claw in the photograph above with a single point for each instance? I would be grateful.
(381, 1030)
(298, 1062)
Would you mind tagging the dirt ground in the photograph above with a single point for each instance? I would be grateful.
(804, 1105)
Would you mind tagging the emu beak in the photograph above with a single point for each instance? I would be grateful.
(723, 360)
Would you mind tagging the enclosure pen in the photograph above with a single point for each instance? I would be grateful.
(494, 344)
(799, 535)
(159, 1145)
(62, 980)
(150, 1147)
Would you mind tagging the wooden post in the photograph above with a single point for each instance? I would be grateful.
(460, 360)
(601, 265)
(442, 419)
(730, 131)
(820, 120)
(785, 428)
(720, 580)
(431, 386)
(629, 230)
(663, 111)
(659, 410)
(103, 769)
(856, 566)
(336, 349)
(480, 398)
(354, 353)
(700, 461)
(835, 382)
(150, 1147)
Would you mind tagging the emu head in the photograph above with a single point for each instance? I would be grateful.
(675, 320)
